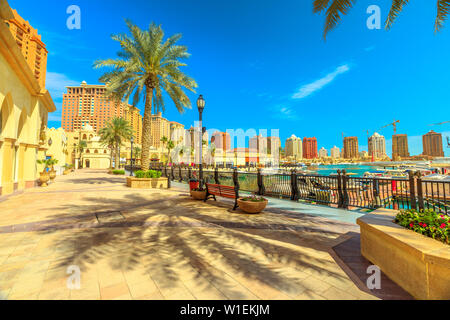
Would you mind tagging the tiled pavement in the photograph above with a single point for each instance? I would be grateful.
(160, 244)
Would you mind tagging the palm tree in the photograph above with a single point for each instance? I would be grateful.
(181, 153)
(107, 140)
(164, 141)
(170, 146)
(335, 8)
(148, 66)
(116, 131)
(82, 144)
(137, 152)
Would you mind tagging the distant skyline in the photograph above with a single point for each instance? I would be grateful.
(264, 64)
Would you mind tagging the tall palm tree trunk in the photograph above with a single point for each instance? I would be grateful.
(116, 165)
(146, 129)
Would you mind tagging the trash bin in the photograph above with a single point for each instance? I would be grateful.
(193, 184)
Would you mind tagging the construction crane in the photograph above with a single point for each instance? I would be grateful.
(441, 123)
(394, 124)
(438, 124)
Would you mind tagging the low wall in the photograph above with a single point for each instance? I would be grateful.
(142, 183)
(418, 264)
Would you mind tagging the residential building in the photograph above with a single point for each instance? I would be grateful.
(377, 146)
(160, 127)
(24, 108)
(88, 105)
(30, 44)
(177, 133)
(432, 144)
(351, 149)
(310, 148)
(323, 153)
(400, 146)
(335, 152)
(294, 148)
(222, 141)
(133, 116)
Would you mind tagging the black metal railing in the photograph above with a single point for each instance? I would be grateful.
(340, 190)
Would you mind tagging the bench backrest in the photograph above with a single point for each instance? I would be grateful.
(222, 191)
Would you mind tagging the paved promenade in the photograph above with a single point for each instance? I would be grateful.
(160, 244)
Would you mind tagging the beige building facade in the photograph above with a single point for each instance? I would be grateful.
(24, 108)
(57, 148)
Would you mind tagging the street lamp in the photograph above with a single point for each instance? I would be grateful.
(201, 106)
(131, 157)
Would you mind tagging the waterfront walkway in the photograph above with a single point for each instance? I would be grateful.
(160, 244)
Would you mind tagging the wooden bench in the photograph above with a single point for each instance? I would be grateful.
(213, 190)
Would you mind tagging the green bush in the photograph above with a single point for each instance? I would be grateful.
(427, 222)
(150, 174)
(119, 172)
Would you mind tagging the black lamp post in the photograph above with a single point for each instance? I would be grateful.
(201, 106)
(131, 157)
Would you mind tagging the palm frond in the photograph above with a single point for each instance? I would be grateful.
(443, 9)
(320, 5)
(396, 8)
(334, 13)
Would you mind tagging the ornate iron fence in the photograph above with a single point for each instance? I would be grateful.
(338, 190)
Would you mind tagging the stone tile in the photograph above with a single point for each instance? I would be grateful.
(336, 294)
(143, 288)
(117, 291)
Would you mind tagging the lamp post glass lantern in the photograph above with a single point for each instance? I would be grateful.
(201, 106)
(131, 157)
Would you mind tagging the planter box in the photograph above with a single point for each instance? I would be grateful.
(418, 264)
(143, 183)
(252, 207)
(198, 195)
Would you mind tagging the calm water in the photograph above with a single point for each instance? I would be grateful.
(358, 170)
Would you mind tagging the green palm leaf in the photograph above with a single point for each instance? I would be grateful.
(396, 8)
(443, 9)
(147, 67)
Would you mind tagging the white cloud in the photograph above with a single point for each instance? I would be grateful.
(56, 84)
(285, 112)
(308, 89)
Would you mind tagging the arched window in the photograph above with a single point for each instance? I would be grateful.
(96, 151)
(88, 151)
(105, 152)
(84, 137)
(5, 112)
(90, 137)
(22, 122)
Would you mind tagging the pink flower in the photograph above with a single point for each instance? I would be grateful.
(443, 226)
(424, 225)
(411, 224)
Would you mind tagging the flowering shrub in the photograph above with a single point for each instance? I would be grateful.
(428, 223)
(253, 199)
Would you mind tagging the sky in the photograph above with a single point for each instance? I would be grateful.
(264, 65)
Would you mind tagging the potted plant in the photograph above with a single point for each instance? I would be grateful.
(252, 204)
(198, 194)
(44, 175)
(67, 169)
(52, 171)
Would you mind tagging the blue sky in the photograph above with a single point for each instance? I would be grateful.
(264, 65)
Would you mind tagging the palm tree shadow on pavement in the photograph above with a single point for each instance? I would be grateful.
(176, 239)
